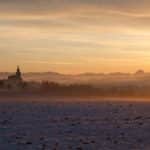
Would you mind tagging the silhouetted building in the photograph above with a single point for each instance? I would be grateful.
(16, 77)
(14, 81)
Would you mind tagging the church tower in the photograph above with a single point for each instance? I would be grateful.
(18, 73)
(16, 79)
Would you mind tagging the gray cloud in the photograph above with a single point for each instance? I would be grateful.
(47, 6)
(74, 13)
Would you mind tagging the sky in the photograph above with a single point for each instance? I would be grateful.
(74, 36)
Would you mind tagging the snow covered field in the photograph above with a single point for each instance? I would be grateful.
(74, 126)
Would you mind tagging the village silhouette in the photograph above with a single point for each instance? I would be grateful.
(16, 83)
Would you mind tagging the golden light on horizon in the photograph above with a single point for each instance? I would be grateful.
(75, 36)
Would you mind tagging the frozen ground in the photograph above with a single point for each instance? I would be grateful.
(74, 126)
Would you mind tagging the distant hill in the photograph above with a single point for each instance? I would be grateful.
(88, 78)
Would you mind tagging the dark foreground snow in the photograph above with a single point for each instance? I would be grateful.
(75, 126)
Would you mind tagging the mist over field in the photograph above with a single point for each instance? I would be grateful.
(110, 85)
(96, 79)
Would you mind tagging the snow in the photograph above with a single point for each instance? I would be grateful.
(74, 126)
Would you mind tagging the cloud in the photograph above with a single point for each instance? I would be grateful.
(74, 13)
(54, 31)
(49, 6)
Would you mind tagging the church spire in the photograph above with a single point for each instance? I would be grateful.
(18, 73)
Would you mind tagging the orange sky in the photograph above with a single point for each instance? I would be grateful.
(73, 36)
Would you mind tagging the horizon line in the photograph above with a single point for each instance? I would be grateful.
(81, 73)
